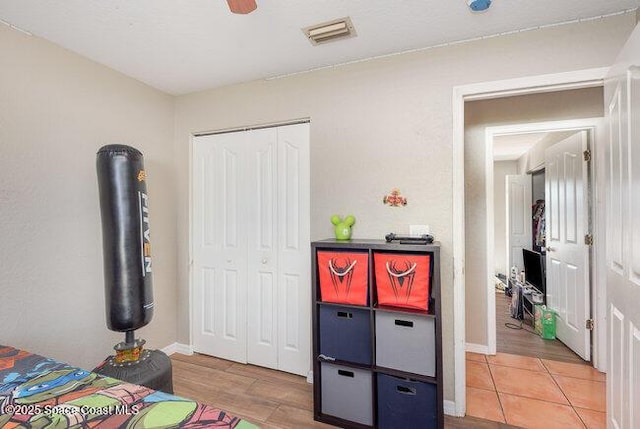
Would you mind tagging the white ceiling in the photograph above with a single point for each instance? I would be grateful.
(181, 46)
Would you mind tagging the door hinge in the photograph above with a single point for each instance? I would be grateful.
(587, 155)
(588, 240)
(589, 324)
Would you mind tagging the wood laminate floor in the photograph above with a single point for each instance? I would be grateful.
(524, 342)
(267, 398)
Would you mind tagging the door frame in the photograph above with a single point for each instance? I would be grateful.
(596, 293)
(190, 272)
(478, 91)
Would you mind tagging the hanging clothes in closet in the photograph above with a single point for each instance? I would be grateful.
(538, 225)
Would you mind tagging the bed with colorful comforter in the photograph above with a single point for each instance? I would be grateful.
(38, 392)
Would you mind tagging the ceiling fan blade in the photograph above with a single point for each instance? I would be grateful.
(242, 7)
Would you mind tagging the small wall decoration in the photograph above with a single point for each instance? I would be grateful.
(395, 199)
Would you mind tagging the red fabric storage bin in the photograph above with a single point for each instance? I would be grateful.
(403, 279)
(343, 277)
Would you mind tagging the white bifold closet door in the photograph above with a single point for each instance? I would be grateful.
(250, 238)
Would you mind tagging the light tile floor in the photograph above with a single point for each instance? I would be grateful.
(535, 393)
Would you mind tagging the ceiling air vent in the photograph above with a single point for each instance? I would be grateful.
(330, 31)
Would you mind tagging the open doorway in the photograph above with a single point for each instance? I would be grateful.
(501, 116)
(512, 376)
(539, 205)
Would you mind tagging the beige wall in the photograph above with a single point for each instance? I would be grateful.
(574, 104)
(56, 110)
(387, 123)
(501, 169)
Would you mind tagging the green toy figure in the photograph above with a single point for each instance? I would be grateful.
(343, 227)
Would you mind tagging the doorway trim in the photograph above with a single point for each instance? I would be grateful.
(478, 91)
(588, 124)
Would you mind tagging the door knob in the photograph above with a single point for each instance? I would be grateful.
(265, 260)
(550, 249)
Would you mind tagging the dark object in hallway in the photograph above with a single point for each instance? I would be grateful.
(515, 308)
(521, 342)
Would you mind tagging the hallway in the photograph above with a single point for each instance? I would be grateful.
(525, 342)
(535, 393)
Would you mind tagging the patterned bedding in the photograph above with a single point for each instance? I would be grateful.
(38, 392)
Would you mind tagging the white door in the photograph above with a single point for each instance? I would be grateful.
(251, 247)
(262, 247)
(294, 270)
(622, 110)
(219, 246)
(567, 258)
(519, 235)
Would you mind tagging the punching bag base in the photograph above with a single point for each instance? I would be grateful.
(153, 370)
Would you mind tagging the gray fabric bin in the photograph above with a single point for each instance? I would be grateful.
(347, 393)
(406, 342)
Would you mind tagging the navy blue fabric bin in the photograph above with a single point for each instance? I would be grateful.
(404, 403)
(345, 334)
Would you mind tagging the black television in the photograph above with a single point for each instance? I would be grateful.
(534, 270)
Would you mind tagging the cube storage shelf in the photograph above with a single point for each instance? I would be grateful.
(376, 366)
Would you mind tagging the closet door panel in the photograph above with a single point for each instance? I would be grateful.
(219, 248)
(262, 257)
(294, 325)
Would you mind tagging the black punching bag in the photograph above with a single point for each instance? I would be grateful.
(125, 237)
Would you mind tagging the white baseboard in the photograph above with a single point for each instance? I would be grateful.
(178, 348)
(310, 377)
(477, 348)
(450, 408)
